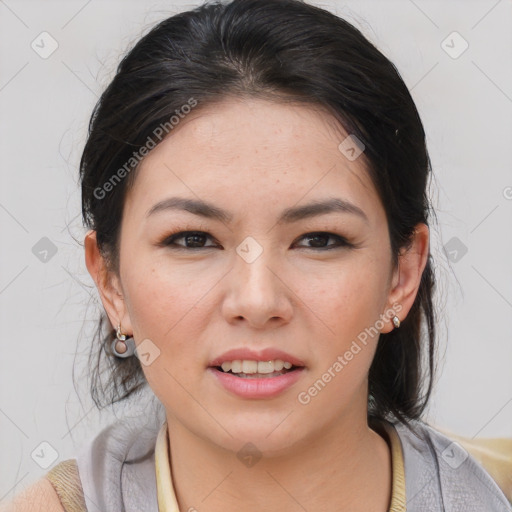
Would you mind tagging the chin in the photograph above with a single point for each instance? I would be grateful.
(259, 436)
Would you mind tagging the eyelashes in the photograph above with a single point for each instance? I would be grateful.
(197, 239)
(187, 236)
(325, 235)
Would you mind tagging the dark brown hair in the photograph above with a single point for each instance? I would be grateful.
(281, 50)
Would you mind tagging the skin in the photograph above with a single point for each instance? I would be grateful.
(37, 497)
(255, 158)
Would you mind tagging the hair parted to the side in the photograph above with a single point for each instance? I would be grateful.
(280, 50)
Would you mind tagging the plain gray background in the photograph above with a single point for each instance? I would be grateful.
(464, 98)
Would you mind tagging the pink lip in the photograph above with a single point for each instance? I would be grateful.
(261, 387)
(268, 354)
(268, 387)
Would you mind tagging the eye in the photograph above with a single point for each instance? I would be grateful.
(192, 240)
(197, 240)
(320, 240)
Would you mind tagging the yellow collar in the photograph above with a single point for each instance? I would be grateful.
(165, 490)
(398, 496)
(167, 497)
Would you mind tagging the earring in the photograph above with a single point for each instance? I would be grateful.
(396, 321)
(123, 346)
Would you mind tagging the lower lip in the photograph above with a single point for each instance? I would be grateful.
(264, 387)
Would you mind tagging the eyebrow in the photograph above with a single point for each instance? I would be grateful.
(288, 216)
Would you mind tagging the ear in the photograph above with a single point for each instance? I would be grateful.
(406, 277)
(108, 285)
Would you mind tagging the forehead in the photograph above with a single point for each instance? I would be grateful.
(252, 153)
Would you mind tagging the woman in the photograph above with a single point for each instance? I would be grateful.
(254, 183)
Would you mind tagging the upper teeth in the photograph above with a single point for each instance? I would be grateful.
(246, 366)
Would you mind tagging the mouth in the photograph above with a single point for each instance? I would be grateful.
(251, 374)
(252, 369)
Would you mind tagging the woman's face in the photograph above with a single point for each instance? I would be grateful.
(256, 278)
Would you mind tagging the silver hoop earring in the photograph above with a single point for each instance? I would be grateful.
(122, 346)
(396, 321)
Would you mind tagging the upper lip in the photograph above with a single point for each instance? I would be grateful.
(267, 354)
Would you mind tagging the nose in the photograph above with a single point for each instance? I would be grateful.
(257, 293)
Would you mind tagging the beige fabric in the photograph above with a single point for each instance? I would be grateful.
(66, 481)
(166, 496)
(398, 496)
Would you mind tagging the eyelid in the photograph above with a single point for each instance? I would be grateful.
(343, 242)
(183, 232)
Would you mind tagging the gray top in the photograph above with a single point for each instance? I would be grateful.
(117, 467)
(441, 475)
(117, 470)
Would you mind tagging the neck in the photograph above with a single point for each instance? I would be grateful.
(345, 467)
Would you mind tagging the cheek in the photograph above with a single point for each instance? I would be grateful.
(161, 305)
(159, 294)
(163, 309)
(355, 295)
(349, 304)
(342, 358)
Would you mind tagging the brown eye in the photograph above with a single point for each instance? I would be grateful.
(192, 240)
(320, 240)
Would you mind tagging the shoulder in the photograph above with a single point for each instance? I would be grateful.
(441, 470)
(493, 454)
(38, 497)
(59, 490)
